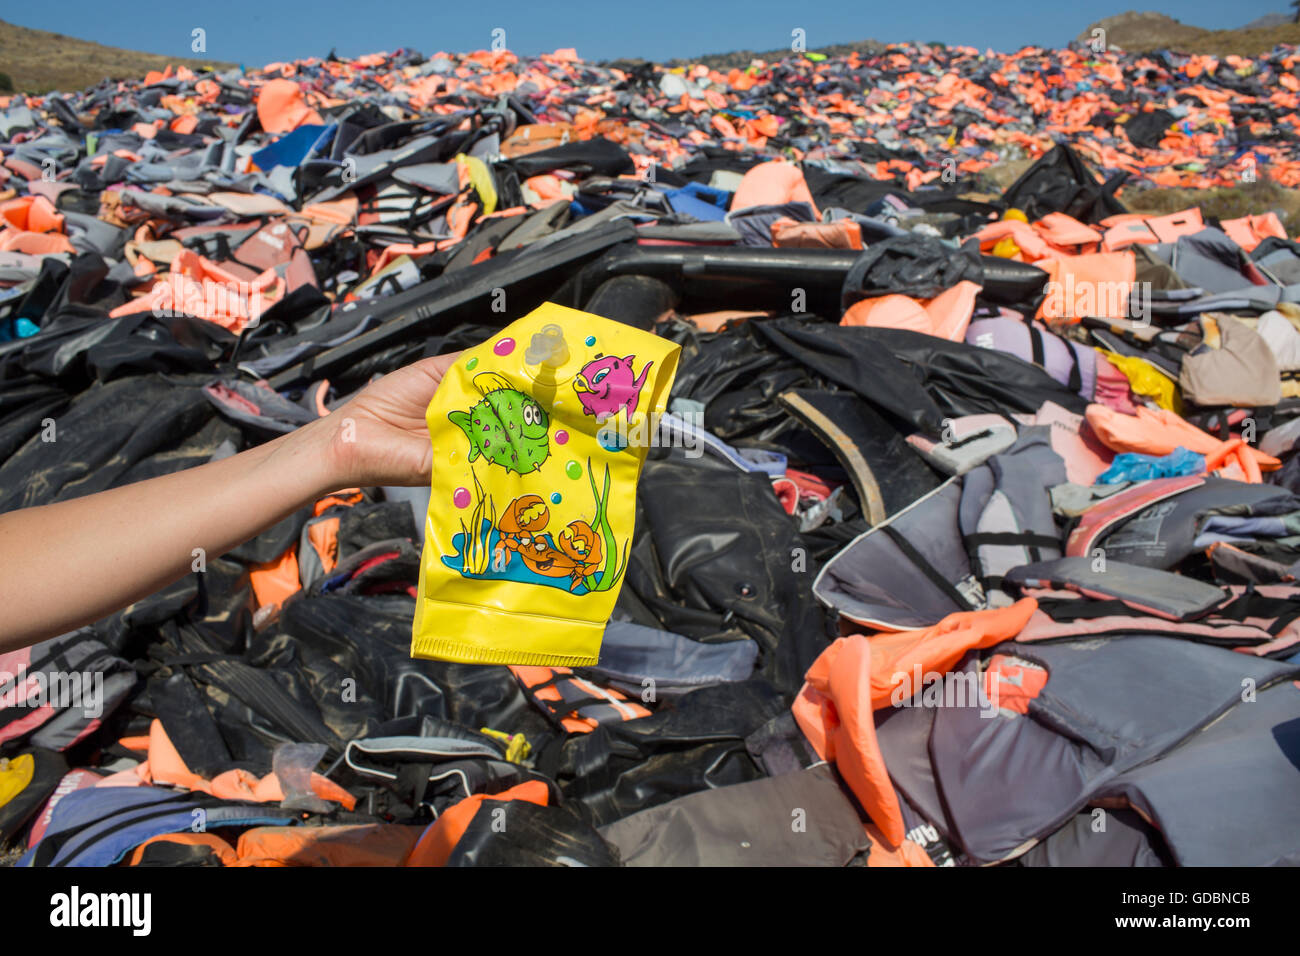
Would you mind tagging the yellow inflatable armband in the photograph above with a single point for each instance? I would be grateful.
(539, 435)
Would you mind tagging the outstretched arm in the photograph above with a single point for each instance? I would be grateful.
(70, 563)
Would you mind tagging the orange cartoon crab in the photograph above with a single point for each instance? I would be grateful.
(521, 532)
(581, 544)
(524, 518)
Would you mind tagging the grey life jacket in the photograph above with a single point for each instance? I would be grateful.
(904, 572)
(1108, 707)
(1005, 513)
(1156, 523)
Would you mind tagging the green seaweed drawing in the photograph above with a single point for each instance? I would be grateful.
(475, 547)
(614, 566)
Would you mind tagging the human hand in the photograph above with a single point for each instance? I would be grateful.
(380, 437)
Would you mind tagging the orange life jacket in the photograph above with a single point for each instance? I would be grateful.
(858, 675)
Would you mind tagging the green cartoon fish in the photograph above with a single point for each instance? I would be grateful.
(506, 427)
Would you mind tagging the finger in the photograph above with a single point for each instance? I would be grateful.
(435, 368)
(416, 464)
(441, 363)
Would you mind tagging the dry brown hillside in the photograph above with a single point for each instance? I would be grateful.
(1154, 31)
(38, 61)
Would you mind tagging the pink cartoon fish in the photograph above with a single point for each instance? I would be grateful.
(606, 385)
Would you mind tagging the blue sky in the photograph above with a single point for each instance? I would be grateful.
(255, 32)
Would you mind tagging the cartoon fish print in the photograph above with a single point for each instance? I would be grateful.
(506, 427)
(607, 384)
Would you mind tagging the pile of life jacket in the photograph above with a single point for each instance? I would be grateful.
(971, 537)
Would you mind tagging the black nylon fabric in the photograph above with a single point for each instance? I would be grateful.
(519, 833)
(1148, 129)
(710, 573)
(112, 434)
(919, 378)
(1060, 182)
(697, 744)
(911, 265)
(597, 156)
(886, 472)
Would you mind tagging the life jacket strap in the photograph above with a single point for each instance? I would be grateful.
(926, 568)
